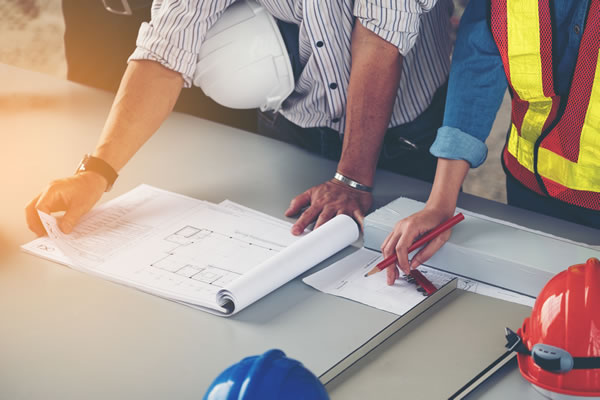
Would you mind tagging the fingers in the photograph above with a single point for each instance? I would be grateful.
(324, 202)
(72, 216)
(384, 245)
(51, 201)
(307, 217)
(326, 214)
(75, 195)
(398, 242)
(359, 217)
(405, 241)
(407, 230)
(389, 244)
(329, 212)
(48, 202)
(429, 250)
(33, 219)
(298, 203)
(392, 274)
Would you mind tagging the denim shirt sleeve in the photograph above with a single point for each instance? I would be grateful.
(476, 88)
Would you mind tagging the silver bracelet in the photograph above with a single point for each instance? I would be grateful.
(353, 184)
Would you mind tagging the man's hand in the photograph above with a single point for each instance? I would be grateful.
(372, 90)
(146, 96)
(75, 195)
(406, 232)
(325, 201)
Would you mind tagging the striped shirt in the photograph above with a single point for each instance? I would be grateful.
(418, 28)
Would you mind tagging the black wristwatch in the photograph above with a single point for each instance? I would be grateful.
(99, 166)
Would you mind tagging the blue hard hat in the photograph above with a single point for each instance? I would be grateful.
(270, 376)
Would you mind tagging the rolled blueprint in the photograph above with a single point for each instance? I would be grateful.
(316, 246)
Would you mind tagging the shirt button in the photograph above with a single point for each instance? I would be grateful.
(577, 29)
(335, 120)
(333, 86)
(319, 44)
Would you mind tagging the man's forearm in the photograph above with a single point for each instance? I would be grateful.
(145, 98)
(374, 79)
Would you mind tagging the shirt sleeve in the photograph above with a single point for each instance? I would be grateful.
(476, 88)
(397, 22)
(175, 32)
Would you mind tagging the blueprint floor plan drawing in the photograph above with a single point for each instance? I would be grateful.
(189, 250)
(205, 256)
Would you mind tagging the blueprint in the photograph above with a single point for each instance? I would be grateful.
(189, 250)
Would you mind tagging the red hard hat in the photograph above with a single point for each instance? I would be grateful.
(562, 335)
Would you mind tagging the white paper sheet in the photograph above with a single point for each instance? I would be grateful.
(297, 258)
(44, 247)
(187, 250)
(346, 279)
(484, 289)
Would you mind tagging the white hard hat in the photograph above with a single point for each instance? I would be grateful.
(243, 62)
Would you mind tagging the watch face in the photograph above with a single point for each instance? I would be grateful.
(82, 164)
(99, 166)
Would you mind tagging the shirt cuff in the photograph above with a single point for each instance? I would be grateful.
(150, 46)
(454, 144)
(397, 23)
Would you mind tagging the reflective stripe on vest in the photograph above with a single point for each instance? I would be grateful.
(568, 157)
(578, 168)
(525, 65)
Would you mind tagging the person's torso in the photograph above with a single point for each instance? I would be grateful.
(324, 40)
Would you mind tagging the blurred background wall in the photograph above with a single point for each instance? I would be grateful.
(31, 35)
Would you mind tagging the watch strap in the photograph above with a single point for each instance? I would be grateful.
(99, 166)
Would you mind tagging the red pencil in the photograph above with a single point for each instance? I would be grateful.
(444, 226)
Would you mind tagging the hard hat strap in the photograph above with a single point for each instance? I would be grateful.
(586, 362)
(515, 343)
(550, 358)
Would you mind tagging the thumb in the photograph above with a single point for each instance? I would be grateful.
(71, 218)
(359, 217)
(298, 203)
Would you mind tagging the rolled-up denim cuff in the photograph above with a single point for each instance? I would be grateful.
(454, 144)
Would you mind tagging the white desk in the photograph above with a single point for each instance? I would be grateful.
(67, 335)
